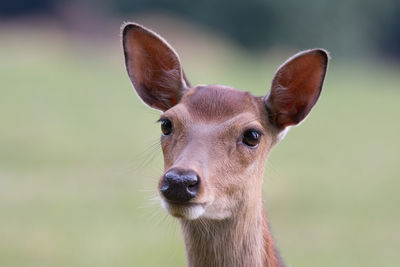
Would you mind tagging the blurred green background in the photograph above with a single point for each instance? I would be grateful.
(80, 156)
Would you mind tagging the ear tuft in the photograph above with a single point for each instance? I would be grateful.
(296, 87)
(153, 67)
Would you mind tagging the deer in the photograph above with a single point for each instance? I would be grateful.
(215, 141)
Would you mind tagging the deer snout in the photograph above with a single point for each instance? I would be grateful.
(179, 185)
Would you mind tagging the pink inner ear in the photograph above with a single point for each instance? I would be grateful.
(153, 67)
(296, 88)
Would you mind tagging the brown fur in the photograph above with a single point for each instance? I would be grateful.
(225, 224)
(209, 119)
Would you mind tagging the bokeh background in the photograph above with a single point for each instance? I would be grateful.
(80, 156)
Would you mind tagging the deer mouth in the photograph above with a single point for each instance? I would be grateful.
(190, 211)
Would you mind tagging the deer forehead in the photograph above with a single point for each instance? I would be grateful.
(211, 110)
(219, 103)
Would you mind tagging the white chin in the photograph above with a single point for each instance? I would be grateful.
(189, 211)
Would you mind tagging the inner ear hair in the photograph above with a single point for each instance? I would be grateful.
(296, 87)
(153, 67)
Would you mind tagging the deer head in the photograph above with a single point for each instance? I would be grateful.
(216, 139)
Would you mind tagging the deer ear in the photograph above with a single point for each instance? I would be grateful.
(153, 67)
(296, 87)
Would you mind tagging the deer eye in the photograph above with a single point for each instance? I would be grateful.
(251, 138)
(166, 126)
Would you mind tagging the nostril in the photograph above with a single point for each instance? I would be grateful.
(193, 185)
(164, 187)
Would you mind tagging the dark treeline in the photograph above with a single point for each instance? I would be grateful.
(346, 27)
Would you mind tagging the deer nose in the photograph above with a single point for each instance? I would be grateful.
(179, 185)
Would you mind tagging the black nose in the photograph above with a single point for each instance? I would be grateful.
(180, 185)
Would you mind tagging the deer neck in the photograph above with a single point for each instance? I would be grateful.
(242, 240)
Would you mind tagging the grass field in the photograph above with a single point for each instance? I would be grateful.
(79, 160)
